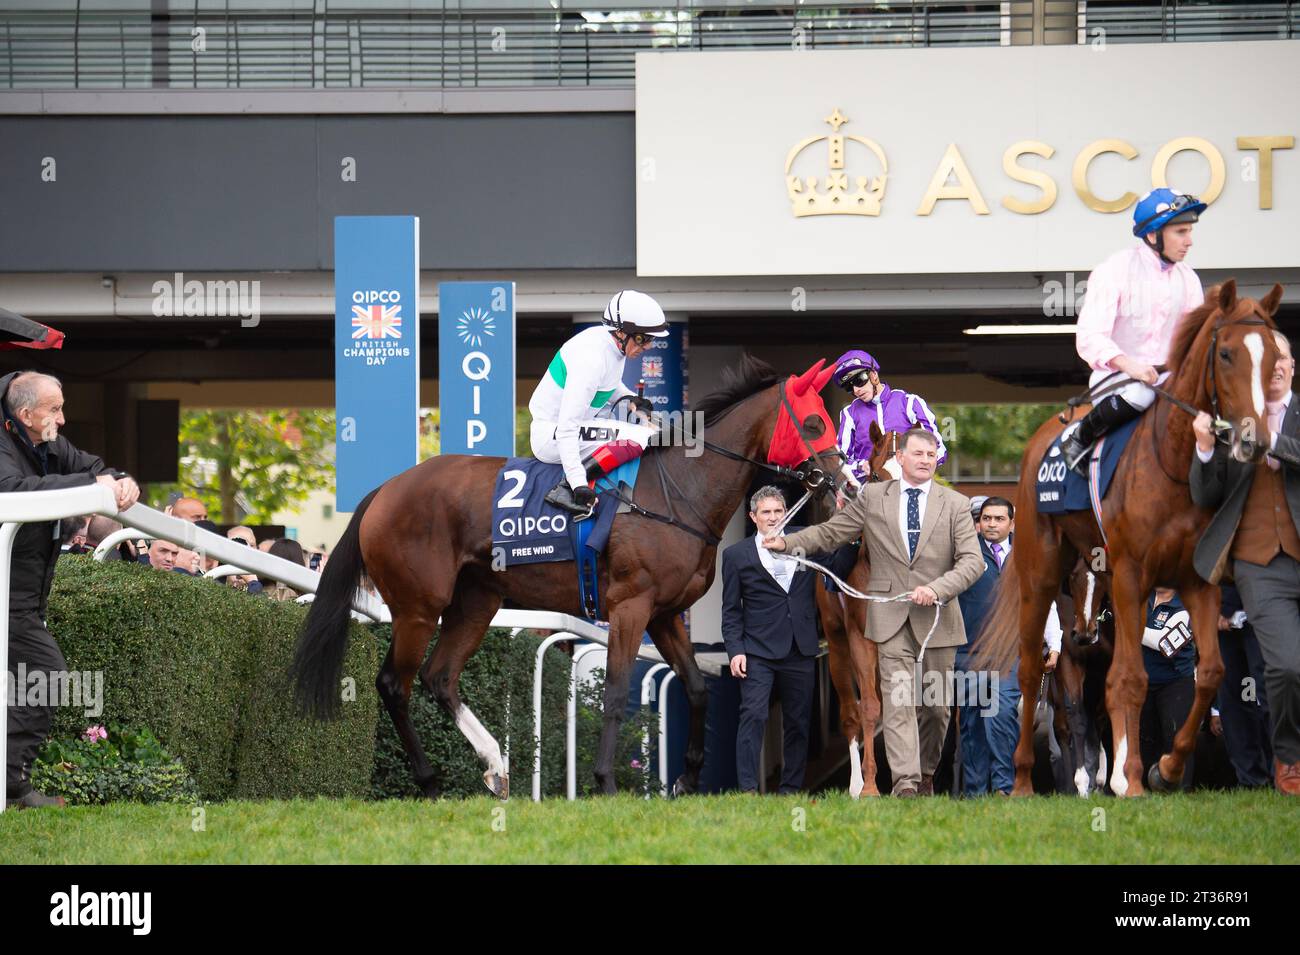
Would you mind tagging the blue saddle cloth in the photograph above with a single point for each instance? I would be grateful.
(530, 531)
(1061, 491)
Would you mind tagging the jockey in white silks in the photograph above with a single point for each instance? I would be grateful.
(586, 377)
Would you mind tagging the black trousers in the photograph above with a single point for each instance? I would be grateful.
(1163, 714)
(793, 679)
(30, 644)
(1243, 708)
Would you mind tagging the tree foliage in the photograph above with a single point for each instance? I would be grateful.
(249, 464)
(995, 433)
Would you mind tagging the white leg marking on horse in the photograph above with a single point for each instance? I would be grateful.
(1101, 764)
(484, 744)
(856, 785)
(1118, 781)
(1255, 345)
(1081, 780)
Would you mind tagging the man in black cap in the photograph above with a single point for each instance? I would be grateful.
(35, 457)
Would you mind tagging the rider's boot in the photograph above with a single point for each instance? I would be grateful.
(582, 501)
(1107, 415)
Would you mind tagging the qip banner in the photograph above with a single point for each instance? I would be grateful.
(376, 351)
(476, 367)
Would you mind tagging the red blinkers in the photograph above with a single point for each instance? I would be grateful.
(786, 448)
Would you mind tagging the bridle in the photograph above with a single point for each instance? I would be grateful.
(1225, 432)
(815, 479)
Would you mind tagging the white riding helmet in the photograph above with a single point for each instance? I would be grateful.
(635, 313)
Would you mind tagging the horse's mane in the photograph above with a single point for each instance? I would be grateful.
(751, 376)
(1191, 325)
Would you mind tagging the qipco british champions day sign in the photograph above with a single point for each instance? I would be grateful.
(376, 351)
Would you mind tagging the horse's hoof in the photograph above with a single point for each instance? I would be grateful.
(1157, 783)
(682, 788)
(497, 785)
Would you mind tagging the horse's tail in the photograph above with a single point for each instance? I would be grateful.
(317, 667)
(998, 643)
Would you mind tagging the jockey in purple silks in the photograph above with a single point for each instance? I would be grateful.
(889, 408)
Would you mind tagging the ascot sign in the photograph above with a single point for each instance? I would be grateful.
(835, 197)
(967, 160)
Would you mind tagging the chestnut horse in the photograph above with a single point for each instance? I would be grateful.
(1221, 358)
(852, 660)
(425, 539)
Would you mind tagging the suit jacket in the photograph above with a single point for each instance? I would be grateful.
(758, 617)
(975, 599)
(947, 557)
(1224, 484)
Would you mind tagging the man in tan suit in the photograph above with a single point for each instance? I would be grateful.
(921, 542)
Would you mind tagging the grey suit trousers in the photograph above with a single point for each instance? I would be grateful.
(1271, 596)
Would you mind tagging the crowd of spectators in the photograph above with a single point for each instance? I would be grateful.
(82, 535)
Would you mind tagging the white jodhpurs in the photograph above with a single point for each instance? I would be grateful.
(1136, 393)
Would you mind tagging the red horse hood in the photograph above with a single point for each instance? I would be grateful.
(787, 449)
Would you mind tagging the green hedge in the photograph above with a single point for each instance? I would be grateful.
(202, 666)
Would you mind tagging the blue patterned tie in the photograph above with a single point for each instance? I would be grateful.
(913, 520)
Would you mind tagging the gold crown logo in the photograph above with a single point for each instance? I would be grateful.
(836, 200)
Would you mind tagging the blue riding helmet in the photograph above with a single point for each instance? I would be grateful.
(1159, 207)
(851, 364)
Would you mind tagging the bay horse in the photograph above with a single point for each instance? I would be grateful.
(852, 657)
(1221, 358)
(424, 537)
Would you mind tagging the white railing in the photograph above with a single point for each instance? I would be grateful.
(26, 507)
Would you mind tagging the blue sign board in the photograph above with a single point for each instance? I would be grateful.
(376, 351)
(476, 367)
(662, 366)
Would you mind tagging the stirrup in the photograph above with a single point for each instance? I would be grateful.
(562, 497)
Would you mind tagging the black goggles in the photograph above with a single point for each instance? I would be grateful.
(859, 380)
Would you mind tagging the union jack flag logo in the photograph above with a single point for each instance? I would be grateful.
(376, 321)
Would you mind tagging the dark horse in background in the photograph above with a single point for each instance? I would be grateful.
(852, 657)
(1222, 356)
(425, 538)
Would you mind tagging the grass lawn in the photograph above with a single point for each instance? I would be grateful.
(1206, 827)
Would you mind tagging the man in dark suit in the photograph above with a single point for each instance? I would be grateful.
(769, 624)
(1254, 536)
(1242, 703)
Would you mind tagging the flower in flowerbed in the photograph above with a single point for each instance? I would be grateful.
(113, 764)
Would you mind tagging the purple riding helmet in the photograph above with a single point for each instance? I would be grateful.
(851, 364)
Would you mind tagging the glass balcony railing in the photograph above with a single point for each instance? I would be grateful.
(318, 44)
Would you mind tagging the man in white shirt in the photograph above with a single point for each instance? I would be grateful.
(921, 543)
(769, 625)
